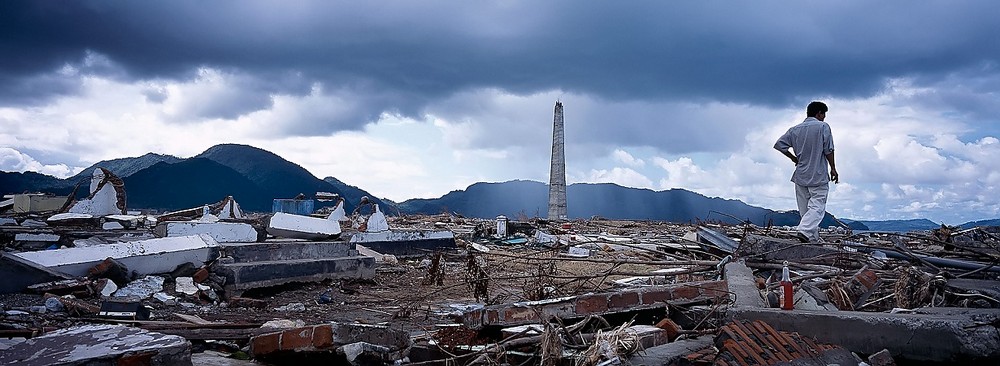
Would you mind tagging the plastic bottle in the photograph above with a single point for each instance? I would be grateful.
(786, 289)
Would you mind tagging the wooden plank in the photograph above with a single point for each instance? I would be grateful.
(195, 319)
(204, 334)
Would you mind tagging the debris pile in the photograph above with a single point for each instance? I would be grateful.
(299, 286)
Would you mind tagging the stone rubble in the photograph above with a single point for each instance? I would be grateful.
(446, 289)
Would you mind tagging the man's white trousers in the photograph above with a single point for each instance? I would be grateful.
(812, 208)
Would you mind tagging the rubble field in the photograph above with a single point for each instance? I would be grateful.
(516, 292)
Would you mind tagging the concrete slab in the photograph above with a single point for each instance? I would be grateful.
(144, 257)
(277, 250)
(405, 242)
(222, 232)
(379, 257)
(24, 203)
(243, 276)
(743, 286)
(19, 273)
(985, 287)
(99, 345)
(286, 225)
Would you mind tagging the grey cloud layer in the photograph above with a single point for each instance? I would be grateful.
(400, 56)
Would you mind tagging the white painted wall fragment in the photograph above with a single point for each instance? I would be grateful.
(142, 288)
(68, 216)
(207, 216)
(113, 225)
(128, 221)
(150, 256)
(377, 222)
(401, 235)
(379, 257)
(223, 232)
(338, 214)
(185, 285)
(231, 210)
(103, 196)
(287, 225)
(109, 288)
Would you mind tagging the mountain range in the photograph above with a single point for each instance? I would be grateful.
(254, 177)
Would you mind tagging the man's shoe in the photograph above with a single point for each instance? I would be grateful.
(802, 237)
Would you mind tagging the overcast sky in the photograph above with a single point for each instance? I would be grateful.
(413, 99)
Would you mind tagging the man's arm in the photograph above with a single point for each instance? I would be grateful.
(783, 144)
(790, 155)
(834, 176)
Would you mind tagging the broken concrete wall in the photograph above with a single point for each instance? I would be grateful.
(24, 203)
(107, 195)
(144, 257)
(405, 242)
(19, 273)
(286, 225)
(223, 232)
(293, 206)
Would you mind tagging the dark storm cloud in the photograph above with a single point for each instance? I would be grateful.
(771, 53)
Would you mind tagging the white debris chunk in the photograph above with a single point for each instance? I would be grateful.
(377, 222)
(142, 288)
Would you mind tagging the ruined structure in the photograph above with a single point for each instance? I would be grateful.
(557, 173)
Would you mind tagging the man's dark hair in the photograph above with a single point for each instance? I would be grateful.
(814, 108)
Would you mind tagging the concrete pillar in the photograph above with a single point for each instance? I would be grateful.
(557, 173)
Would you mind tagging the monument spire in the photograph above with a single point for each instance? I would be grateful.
(557, 174)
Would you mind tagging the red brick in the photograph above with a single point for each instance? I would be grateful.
(297, 339)
(673, 330)
(591, 304)
(623, 300)
(492, 317)
(265, 343)
(323, 336)
(655, 296)
(473, 318)
(138, 359)
(686, 292)
(715, 289)
(518, 315)
(200, 275)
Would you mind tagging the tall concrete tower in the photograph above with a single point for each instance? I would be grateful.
(557, 175)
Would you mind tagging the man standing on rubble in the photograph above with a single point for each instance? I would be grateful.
(812, 143)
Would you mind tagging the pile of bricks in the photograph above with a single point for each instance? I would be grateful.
(757, 344)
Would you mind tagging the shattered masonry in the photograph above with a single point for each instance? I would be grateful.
(89, 282)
